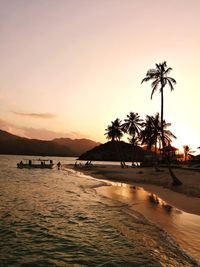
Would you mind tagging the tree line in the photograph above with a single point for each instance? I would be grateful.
(154, 129)
(141, 132)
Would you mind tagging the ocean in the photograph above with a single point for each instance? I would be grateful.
(63, 218)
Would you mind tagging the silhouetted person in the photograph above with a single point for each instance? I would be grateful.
(59, 165)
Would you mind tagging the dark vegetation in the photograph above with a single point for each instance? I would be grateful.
(109, 152)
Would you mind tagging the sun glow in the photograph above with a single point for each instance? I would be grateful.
(83, 65)
(185, 136)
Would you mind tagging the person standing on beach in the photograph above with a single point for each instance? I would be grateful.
(59, 165)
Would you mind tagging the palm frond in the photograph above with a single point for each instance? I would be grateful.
(170, 84)
(146, 79)
(155, 83)
(166, 124)
(167, 71)
(169, 134)
(164, 64)
(172, 80)
(152, 73)
(153, 91)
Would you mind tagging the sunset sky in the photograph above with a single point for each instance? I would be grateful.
(68, 68)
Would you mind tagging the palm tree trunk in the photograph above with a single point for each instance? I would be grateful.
(162, 128)
(175, 180)
(117, 142)
(155, 157)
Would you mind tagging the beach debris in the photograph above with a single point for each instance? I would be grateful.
(167, 207)
(153, 199)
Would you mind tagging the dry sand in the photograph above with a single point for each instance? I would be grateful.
(185, 197)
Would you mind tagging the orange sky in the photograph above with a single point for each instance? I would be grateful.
(70, 67)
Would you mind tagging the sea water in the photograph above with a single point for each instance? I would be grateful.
(60, 218)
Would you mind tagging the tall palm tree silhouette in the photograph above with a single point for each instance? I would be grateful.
(159, 77)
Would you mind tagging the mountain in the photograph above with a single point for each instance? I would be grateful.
(78, 146)
(16, 145)
(116, 151)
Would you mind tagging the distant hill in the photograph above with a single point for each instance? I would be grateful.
(78, 146)
(113, 151)
(16, 145)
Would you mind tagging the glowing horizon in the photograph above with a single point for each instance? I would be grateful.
(71, 67)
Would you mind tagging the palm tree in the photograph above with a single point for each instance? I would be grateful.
(132, 126)
(187, 152)
(168, 135)
(151, 135)
(151, 132)
(160, 78)
(114, 133)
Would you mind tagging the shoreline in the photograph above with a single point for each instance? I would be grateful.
(185, 197)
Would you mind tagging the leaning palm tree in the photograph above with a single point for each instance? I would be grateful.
(159, 77)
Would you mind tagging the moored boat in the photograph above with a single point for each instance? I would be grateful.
(35, 163)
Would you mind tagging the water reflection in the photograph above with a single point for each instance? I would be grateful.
(154, 199)
(184, 227)
(57, 218)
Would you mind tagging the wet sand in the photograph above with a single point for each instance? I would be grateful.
(185, 197)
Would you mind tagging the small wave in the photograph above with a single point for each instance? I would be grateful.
(51, 219)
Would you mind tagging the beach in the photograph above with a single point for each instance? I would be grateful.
(185, 197)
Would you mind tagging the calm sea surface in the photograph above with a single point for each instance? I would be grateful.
(60, 218)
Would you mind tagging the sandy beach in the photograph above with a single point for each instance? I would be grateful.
(185, 197)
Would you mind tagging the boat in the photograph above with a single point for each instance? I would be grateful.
(35, 163)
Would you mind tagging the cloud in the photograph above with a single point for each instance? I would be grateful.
(36, 115)
(37, 133)
(11, 128)
(44, 134)
(4, 125)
